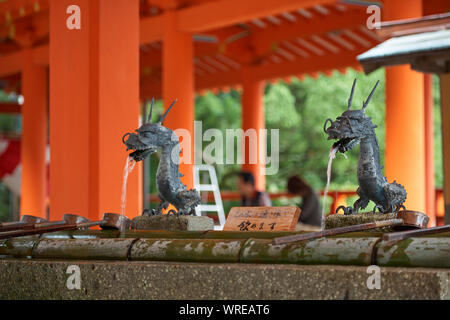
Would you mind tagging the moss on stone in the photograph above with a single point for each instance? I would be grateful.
(340, 251)
(340, 220)
(172, 223)
(194, 250)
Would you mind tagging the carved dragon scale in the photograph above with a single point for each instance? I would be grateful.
(354, 127)
(147, 140)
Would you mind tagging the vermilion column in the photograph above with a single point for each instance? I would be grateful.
(431, 7)
(445, 112)
(94, 100)
(405, 123)
(178, 83)
(430, 196)
(34, 138)
(253, 118)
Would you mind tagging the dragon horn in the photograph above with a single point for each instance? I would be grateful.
(370, 96)
(149, 119)
(351, 95)
(168, 109)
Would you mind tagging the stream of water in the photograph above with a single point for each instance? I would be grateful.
(129, 165)
(332, 155)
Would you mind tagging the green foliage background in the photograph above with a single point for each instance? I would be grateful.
(9, 124)
(299, 110)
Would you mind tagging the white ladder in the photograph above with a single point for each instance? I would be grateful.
(213, 187)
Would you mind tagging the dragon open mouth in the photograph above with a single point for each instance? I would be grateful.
(139, 155)
(141, 150)
(345, 144)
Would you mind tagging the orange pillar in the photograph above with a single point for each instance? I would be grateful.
(435, 6)
(34, 138)
(430, 196)
(405, 121)
(445, 116)
(253, 118)
(94, 100)
(178, 83)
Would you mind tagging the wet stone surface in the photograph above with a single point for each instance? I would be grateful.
(45, 279)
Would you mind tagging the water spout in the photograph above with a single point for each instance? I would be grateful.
(332, 155)
(129, 165)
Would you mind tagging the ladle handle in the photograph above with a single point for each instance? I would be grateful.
(24, 225)
(336, 231)
(21, 233)
(89, 224)
(50, 224)
(412, 233)
(8, 226)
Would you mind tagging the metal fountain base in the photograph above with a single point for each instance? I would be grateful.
(171, 222)
(413, 219)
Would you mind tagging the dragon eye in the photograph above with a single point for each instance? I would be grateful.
(346, 120)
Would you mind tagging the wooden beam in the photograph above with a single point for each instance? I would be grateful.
(11, 63)
(8, 47)
(272, 71)
(285, 69)
(279, 70)
(152, 58)
(150, 89)
(218, 14)
(17, 9)
(225, 79)
(265, 39)
(41, 55)
(12, 108)
(414, 25)
(164, 4)
(30, 30)
(151, 29)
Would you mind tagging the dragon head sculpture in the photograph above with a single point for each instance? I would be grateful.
(149, 137)
(351, 126)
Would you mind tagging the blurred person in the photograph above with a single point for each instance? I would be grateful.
(310, 206)
(250, 196)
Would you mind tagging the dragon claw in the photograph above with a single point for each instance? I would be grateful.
(151, 212)
(379, 207)
(398, 208)
(346, 210)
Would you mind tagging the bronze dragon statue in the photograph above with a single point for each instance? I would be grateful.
(147, 140)
(354, 127)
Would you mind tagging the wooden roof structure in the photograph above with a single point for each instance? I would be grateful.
(278, 39)
(424, 43)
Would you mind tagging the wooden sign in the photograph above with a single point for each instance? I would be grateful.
(262, 219)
